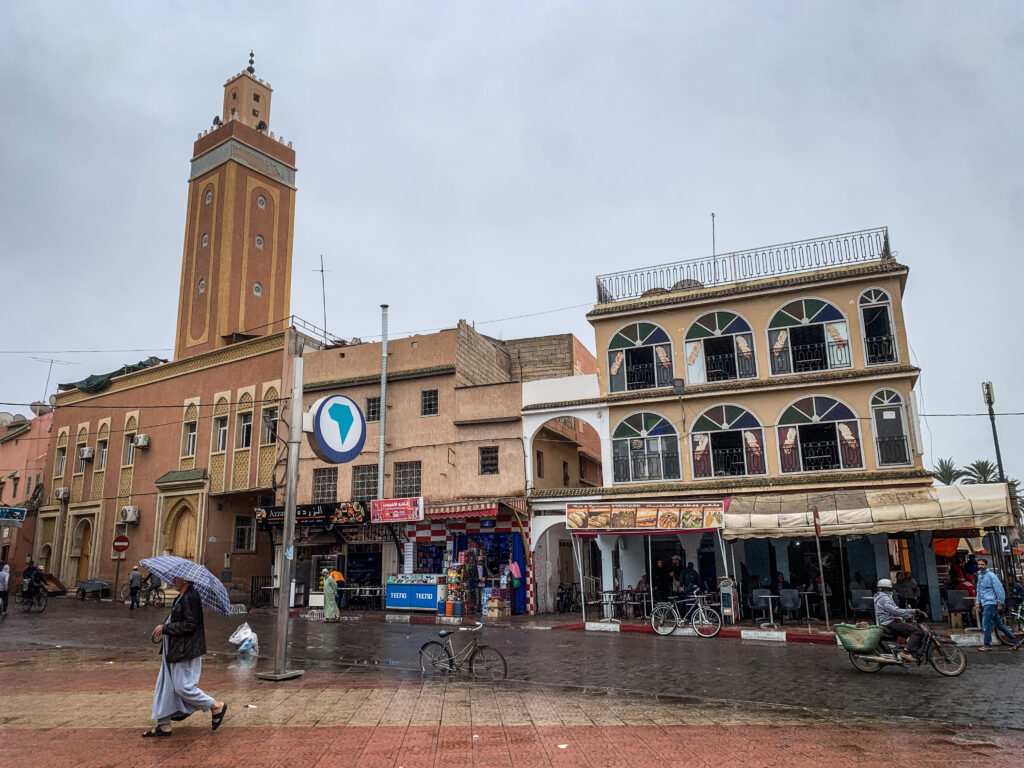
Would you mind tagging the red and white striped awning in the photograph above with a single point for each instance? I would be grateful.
(464, 510)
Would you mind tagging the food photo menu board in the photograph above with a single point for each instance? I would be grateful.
(690, 516)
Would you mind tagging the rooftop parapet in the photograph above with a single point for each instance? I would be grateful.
(818, 253)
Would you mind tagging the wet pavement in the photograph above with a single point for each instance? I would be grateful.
(723, 670)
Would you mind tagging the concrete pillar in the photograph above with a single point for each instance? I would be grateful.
(781, 557)
(880, 542)
(632, 559)
(606, 544)
(925, 571)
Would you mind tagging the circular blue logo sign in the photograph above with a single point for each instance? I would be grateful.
(339, 430)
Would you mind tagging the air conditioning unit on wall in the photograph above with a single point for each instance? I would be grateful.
(129, 514)
(142, 441)
(62, 493)
(86, 453)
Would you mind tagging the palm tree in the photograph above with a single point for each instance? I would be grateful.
(945, 471)
(980, 471)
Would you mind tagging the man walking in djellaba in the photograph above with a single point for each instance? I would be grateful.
(183, 637)
(331, 612)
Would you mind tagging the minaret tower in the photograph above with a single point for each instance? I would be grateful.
(237, 261)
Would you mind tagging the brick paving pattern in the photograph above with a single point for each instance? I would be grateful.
(86, 707)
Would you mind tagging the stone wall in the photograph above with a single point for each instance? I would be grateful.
(540, 357)
(478, 358)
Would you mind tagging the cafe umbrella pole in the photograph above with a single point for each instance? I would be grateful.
(284, 591)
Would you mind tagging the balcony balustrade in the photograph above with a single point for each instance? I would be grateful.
(892, 450)
(654, 466)
(880, 350)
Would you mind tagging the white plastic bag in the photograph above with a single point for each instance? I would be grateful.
(245, 640)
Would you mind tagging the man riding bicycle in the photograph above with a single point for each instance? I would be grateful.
(891, 616)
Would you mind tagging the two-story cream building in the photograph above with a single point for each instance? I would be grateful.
(774, 380)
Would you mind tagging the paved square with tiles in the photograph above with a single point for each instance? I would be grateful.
(88, 707)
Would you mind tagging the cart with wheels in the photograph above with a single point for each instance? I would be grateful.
(97, 587)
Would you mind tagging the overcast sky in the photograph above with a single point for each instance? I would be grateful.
(486, 160)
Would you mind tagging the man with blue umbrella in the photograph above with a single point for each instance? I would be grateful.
(183, 637)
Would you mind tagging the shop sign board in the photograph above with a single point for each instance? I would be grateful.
(342, 513)
(339, 429)
(12, 517)
(654, 517)
(396, 510)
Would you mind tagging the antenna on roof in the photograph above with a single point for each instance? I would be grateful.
(50, 371)
(323, 292)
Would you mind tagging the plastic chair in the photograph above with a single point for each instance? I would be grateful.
(758, 603)
(789, 602)
(862, 601)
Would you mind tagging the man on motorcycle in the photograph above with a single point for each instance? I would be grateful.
(891, 616)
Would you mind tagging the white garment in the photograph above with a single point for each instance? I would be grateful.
(177, 689)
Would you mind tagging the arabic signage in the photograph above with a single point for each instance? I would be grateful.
(12, 517)
(645, 518)
(396, 510)
(345, 513)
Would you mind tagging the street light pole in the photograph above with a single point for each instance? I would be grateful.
(284, 591)
(988, 392)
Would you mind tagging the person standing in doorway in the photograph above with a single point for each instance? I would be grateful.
(991, 598)
(134, 585)
(662, 581)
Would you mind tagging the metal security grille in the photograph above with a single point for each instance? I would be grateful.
(373, 409)
(489, 460)
(428, 402)
(407, 479)
(325, 485)
(364, 484)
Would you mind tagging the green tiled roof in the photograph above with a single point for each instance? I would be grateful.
(182, 476)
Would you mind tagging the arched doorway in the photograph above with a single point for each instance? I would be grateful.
(81, 547)
(179, 533)
(43, 561)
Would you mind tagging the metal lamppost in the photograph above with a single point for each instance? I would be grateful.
(284, 591)
(988, 393)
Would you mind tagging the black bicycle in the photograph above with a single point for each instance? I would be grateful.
(484, 661)
(567, 599)
(705, 620)
(32, 598)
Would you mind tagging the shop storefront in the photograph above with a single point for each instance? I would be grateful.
(484, 542)
(337, 537)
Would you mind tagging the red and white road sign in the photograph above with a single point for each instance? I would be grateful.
(121, 543)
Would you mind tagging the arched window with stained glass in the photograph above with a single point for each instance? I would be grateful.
(719, 347)
(645, 446)
(876, 319)
(889, 420)
(819, 434)
(727, 440)
(639, 357)
(808, 335)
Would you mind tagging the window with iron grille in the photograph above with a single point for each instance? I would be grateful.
(325, 485)
(540, 464)
(245, 533)
(373, 409)
(489, 460)
(407, 479)
(428, 402)
(364, 484)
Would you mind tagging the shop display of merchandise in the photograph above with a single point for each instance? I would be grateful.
(427, 579)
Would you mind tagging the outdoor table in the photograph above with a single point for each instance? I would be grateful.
(771, 613)
(608, 601)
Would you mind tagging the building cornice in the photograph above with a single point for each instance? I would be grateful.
(414, 373)
(771, 285)
(730, 486)
(222, 356)
(799, 381)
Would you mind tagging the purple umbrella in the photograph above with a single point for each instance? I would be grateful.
(211, 591)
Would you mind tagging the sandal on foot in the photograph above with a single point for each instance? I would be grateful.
(984, 648)
(152, 732)
(216, 720)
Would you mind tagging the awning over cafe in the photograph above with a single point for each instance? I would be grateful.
(942, 507)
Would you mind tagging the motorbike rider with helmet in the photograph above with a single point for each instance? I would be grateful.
(891, 616)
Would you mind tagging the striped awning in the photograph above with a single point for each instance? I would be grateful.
(463, 510)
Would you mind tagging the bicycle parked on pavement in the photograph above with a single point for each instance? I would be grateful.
(567, 599)
(705, 620)
(485, 662)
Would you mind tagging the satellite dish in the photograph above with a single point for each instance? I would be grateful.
(18, 419)
(6, 418)
(39, 408)
(216, 120)
(53, 400)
